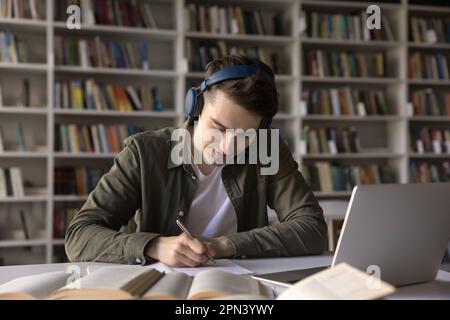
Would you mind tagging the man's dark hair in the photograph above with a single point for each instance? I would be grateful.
(251, 93)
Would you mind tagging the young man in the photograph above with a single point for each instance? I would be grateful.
(224, 206)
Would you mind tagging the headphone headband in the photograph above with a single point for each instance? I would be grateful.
(194, 97)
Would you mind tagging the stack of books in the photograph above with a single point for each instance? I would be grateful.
(328, 177)
(345, 27)
(231, 20)
(101, 53)
(20, 9)
(430, 140)
(76, 181)
(428, 102)
(331, 140)
(322, 63)
(97, 138)
(61, 221)
(131, 13)
(90, 95)
(428, 66)
(344, 101)
(429, 29)
(11, 182)
(13, 49)
(200, 53)
(424, 172)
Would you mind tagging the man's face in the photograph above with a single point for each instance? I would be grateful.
(220, 113)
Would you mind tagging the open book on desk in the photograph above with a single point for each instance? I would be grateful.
(129, 282)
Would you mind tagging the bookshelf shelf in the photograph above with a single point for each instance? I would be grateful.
(430, 156)
(391, 129)
(415, 8)
(22, 243)
(117, 72)
(352, 118)
(85, 155)
(136, 114)
(26, 199)
(429, 46)
(373, 44)
(154, 34)
(351, 80)
(23, 67)
(58, 242)
(261, 39)
(24, 24)
(347, 4)
(429, 119)
(23, 154)
(429, 82)
(23, 110)
(69, 198)
(362, 155)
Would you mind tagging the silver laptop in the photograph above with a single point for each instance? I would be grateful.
(398, 230)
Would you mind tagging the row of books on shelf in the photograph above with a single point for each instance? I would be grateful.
(428, 102)
(11, 182)
(101, 53)
(429, 66)
(425, 172)
(331, 140)
(344, 101)
(91, 95)
(24, 143)
(332, 177)
(61, 220)
(199, 53)
(98, 138)
(345, 27)
(24, 94)
(231, 20)
(430, 140)
(13, 49)
(429, 29)
(133, 13)
(76, 180)
(321, 63)
(22, 9)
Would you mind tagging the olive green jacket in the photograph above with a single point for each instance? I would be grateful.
(145, 179)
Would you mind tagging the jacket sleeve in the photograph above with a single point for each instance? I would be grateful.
(94, 233)
(302, 229)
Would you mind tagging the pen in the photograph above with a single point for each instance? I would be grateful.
(185, 230)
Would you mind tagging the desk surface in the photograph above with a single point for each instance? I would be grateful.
(437, 289)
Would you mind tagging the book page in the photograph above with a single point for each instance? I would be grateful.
(221, 264)
(172, 286)
(35, 286)
(106, 282)
(217, 283)
(340, 282)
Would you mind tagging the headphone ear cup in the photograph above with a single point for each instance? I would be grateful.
(190, 102)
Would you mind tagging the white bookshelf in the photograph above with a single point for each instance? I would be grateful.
(395, 127)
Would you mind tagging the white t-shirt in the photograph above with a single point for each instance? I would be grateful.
(212, 213)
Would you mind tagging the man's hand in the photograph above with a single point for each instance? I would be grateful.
(182, 251)
(179, 251)
(220, 247)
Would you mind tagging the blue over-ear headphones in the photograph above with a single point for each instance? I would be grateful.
(194, 97)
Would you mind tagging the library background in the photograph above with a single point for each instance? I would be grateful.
(357, 106)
